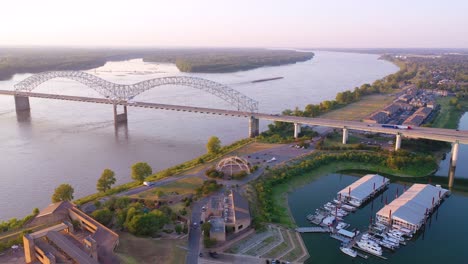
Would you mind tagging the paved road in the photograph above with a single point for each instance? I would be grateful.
(195, 232)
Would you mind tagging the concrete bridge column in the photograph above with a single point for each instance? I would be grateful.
(22, 103)
(345, 135)
(254, 127)
(120, 118)
(297, 130)
(453, 163)
(398, 142)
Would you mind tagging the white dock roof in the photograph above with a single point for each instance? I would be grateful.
(411, 206)
(363, 187)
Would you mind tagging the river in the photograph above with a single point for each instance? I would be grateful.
(72, 142)
(462, 166)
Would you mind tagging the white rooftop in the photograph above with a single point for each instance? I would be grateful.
(411, 206)
(363, 187)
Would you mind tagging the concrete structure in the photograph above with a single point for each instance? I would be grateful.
(345, 135)
(297, 130)
(231, 211)
(364, 188)
(398, 142)
(90, 243)
(411, 209)
(22, 103)
(218, 229)
(120, 118)
(254, 127)
(447, 135)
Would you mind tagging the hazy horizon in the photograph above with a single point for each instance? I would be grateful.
(236, 24)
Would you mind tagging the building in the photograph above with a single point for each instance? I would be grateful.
(218, 229)
(391, 109)
(361, 190)
(377, 118)
(84, 241)
(418, 117)
(410, 210)
(227, 212)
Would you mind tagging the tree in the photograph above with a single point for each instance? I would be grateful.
(105, 182)
(140, 171)
(103, 216)
(147, 224)
(64, 192)
(214, 145)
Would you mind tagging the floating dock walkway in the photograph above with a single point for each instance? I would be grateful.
(313, 230)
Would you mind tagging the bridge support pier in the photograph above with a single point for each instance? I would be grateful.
(22, 103)
(453, 163)
(297, 130)
(254, 127)
(345, 135)
(120, 118)
(398, 142)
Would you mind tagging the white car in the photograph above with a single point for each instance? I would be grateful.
(148, 183)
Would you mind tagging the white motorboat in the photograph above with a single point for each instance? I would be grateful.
(348, 251)
(370, 246)
(354, 203)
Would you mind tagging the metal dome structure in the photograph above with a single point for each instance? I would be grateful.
(233, 161)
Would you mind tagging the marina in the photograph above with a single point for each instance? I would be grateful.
(363, 189)
(383, 233)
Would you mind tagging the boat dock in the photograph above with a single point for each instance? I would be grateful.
(341, 238)
(356, 247)
(313, 230)
(316, 218)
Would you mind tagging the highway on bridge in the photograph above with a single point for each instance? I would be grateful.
(440, 134)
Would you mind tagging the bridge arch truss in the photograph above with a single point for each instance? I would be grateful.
(124, 92)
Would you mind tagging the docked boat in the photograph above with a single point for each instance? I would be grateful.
(336, 201)
(354, 203)
(348, 208)
(349, 252)
(342, 225)
(370, 246)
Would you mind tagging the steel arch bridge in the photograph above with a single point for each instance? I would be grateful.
(122, 92)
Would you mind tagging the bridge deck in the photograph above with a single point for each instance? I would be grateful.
(448, 135)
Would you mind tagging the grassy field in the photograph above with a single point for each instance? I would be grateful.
(449, 116)
(182, 186)
(133, 250)
(360, 110)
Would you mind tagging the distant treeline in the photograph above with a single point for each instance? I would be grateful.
(230, 60)
(34, 60)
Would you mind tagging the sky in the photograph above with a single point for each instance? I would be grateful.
(236, 23)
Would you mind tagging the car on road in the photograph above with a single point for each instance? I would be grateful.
(148, 183)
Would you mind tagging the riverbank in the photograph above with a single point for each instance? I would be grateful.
(215, 60)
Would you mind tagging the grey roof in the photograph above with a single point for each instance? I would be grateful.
(217, 225)
(70, 249)
(241, 206)
(363, 187)
(411, 206)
